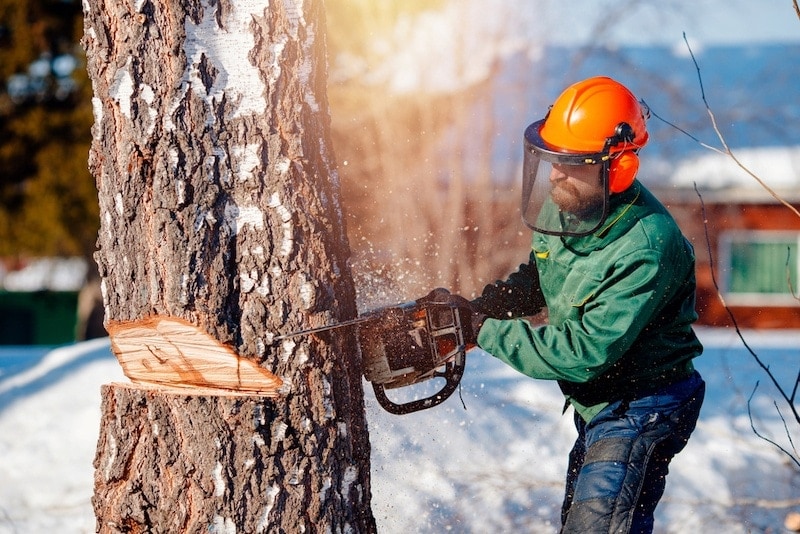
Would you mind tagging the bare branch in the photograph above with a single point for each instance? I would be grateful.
(788, 398)
(768, 440)
(721, 138)
(786, 429)
(765, 367)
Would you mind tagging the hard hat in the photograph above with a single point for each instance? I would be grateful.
(595, 114)
(601, 116)
(597, 121)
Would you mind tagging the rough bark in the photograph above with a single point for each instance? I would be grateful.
(219, 208)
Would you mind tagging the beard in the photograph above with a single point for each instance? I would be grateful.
(577, 199)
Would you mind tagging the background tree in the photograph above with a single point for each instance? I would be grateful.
(221, 226)
(427, 202)
(48, 202)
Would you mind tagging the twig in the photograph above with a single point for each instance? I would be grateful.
(789, 400)
(768, 440)
(732, 317)
(786, 429)
(721, 138)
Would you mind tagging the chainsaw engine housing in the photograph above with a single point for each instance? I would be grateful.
(411, 343)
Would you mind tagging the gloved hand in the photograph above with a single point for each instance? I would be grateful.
(441, 295)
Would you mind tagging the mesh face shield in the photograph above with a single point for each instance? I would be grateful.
(563, 193)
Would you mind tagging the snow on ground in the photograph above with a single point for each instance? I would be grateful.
(490, 459)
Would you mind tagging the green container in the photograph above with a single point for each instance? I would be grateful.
(38, 317)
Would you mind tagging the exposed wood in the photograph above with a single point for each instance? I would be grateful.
(170, 352)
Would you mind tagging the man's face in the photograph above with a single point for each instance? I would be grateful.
(577, 188)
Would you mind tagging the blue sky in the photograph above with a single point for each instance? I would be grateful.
(663, 22)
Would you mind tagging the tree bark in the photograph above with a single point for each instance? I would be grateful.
(219, 204)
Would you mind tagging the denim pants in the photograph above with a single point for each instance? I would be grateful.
(619, 463)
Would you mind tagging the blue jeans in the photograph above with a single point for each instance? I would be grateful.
(619, 463)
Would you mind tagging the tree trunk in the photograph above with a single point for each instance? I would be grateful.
(220, 228)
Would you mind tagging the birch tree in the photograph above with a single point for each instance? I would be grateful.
(221, 227)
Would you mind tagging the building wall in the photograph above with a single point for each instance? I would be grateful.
(704, 225)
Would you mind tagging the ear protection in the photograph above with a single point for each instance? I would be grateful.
(622, 171)
(623, 167)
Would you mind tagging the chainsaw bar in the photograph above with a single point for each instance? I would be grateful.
(316, 330)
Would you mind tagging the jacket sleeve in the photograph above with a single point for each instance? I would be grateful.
(518, 296)
(595, 333)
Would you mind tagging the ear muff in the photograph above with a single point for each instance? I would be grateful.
(622, 171)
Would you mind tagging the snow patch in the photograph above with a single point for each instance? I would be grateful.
(495, 466)
(55, 274)
(778, 167)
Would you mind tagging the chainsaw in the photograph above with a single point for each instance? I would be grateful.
(407, 344)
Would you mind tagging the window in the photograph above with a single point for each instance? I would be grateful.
(760, 268)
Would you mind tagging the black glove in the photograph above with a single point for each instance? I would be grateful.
(441, 295)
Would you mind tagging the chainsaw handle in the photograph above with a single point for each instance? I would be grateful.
(452, 374)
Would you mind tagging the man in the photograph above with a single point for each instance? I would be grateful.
(616, 277)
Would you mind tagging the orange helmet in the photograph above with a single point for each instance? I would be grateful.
(593, 113)
(599, 122)
(597, 119)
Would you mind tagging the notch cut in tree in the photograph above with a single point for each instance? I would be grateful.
(221, 227)
(166, 352)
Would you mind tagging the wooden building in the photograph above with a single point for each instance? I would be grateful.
(746, 238)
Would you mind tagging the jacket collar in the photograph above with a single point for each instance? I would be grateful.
(622, 214)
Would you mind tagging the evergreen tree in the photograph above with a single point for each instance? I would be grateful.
(48, 200)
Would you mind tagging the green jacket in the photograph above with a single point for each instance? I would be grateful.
(620, 307)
